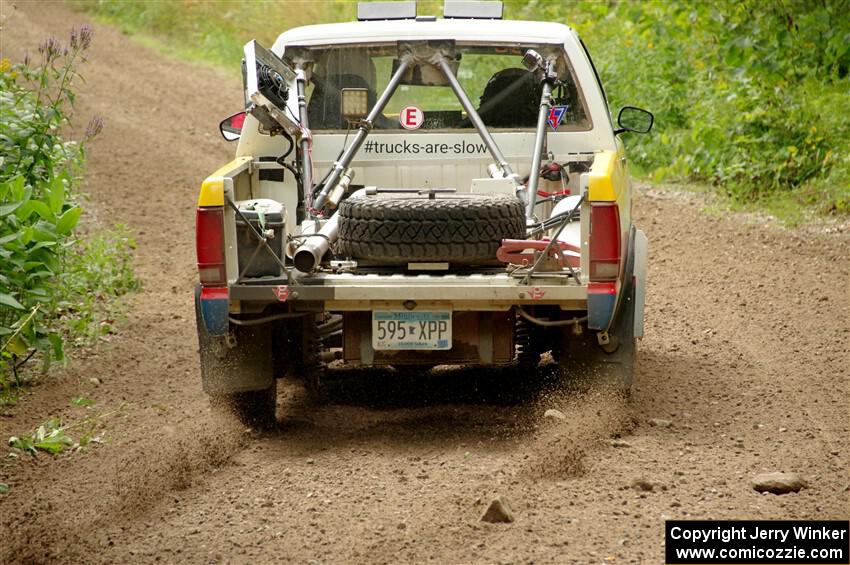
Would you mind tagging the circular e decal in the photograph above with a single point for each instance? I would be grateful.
(411, 117)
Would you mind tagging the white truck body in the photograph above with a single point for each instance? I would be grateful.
(344, 289)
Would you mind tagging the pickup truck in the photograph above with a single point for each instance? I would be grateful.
(410, 190)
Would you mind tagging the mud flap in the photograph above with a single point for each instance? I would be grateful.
(238, 361)
(585, 361)
(619, 366)
(640, 270)
(614, 363)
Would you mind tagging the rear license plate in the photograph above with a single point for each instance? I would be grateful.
(426, 329)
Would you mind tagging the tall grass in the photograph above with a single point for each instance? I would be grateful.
(215, 31)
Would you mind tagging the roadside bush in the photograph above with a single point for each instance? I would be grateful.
(43, 292)
(748, 96)
(97, 269)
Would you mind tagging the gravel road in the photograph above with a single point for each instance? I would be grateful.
(743, 370)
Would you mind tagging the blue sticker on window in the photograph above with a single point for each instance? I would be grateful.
(556, 115)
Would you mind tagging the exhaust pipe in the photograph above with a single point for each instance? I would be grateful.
(309, 254)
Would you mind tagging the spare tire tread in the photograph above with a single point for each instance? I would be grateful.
(459, 229)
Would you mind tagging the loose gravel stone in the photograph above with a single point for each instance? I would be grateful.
(778, 482)
(642, 484)
(499, 512)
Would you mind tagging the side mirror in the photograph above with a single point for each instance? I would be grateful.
(634, 119)
(231, 127)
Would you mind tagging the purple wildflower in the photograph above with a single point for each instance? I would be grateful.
(94, 127)
(86, 33)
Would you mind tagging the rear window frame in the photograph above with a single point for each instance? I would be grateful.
(582, 127)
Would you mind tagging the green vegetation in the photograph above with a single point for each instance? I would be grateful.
(52, 436)
(49, 437)
(52, 285)
(214, 32)
(99, 269)
(750, 98)
(82, 401)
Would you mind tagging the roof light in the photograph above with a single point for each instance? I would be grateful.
(355, 103)
(386, 11)
(473, 9)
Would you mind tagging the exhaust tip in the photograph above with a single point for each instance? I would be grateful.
(304, 260)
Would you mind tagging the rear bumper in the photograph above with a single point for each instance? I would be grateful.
(474, 292)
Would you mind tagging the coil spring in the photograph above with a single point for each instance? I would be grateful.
(522, 338)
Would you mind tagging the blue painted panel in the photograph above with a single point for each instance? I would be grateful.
(215, 315)
(600, 310)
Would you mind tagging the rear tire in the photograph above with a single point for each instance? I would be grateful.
(305, 363)
(254, 408)
(237, 370)
(584, 361)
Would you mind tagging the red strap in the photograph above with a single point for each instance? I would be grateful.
(544, 194)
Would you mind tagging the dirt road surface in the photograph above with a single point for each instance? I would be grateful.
(745, 354)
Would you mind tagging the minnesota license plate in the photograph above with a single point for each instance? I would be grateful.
(404, 329)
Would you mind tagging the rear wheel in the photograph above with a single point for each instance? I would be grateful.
(237, 370)
(584, 361)
(254, 408)
(306, 339)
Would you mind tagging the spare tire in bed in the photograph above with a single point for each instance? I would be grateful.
(454, 228)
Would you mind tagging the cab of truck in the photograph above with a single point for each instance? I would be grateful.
(414, 190)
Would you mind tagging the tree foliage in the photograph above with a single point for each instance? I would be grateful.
(749, 96)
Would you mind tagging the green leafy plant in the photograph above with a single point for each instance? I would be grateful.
(52, 436)
(46, 274)
(82, 401)
(49, 437)
(748, 97)
(98, 269)
(212, 31)
(37, 210)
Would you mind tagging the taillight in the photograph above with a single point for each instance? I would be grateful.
(209, 242)
(604, 241)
